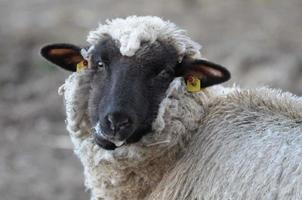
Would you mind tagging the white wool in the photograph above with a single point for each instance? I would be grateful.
(132, 31)
(249, 146)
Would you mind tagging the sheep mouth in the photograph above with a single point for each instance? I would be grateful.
(108, 144)
(104, 143)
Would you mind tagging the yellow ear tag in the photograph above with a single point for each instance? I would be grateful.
(82, 65)
(193, 84)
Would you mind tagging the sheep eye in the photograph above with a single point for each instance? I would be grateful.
(100, 64)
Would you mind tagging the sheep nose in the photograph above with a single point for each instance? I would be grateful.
(118, 121)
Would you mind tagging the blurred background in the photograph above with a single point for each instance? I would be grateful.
(260, 41)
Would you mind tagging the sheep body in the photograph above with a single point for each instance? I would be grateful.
(249, 146)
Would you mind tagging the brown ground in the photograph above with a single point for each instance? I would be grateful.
(259, 40)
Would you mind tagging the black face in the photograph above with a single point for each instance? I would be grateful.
(125, 99)
(125, 102)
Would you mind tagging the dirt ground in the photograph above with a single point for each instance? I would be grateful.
(258, 40)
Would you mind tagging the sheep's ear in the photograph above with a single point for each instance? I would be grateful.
(207, 72)
(66, 56)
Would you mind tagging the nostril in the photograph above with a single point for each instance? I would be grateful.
(118, 121)
(111, 121)
(125, 122)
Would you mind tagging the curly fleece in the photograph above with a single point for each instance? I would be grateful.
(130, 32)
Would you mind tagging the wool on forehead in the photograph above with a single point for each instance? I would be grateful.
(132, 31)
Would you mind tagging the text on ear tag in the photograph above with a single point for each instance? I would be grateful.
(193, 83)
(82, 65)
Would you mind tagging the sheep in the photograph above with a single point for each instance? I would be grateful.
(219, 143)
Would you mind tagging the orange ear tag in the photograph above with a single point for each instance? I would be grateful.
(193, 83)
(82, 65)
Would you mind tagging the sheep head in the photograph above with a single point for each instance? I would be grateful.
(134, 68)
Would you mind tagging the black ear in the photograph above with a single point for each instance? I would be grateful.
(66, 56)
(207, 72)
